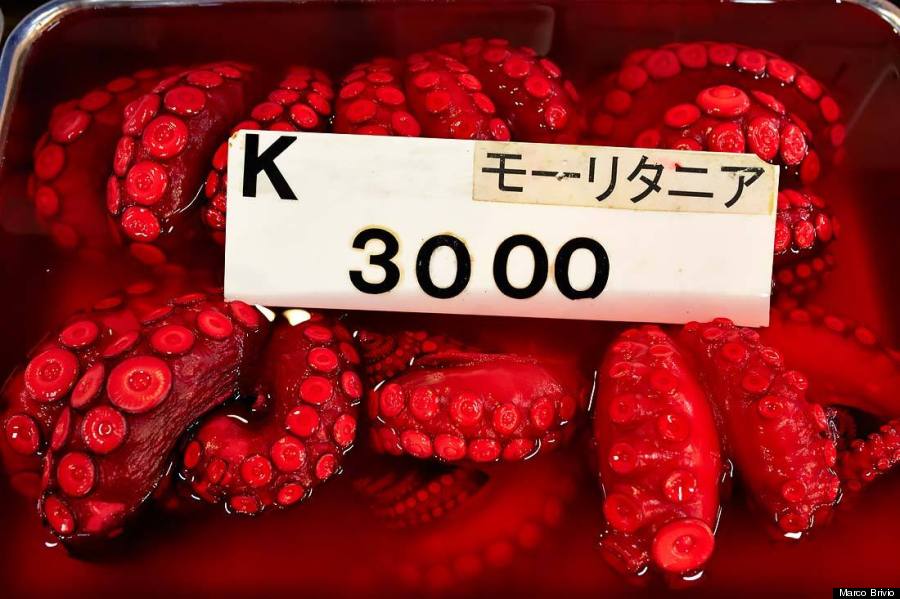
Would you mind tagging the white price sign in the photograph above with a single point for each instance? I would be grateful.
(322, 220)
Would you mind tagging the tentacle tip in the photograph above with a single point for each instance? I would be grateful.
(682, 546)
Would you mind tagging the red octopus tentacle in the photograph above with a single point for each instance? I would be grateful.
(803, 277)
(729, 98)
(487, 518)
(777, 438)
(441, 94)
(804, 228)
(871, 385)
(168, 135)
(126, 399)
(303, 423)
(386, 355)
(477, 407)
(868, 458)
(447, 99)
(659, 456)
(371, 101)
(300, 102)
(70, 168)
(432, 95)
(26, 418)
(721, 97)
(529, 90)
(418, 493)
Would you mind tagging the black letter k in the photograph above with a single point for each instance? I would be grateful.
(256, 163)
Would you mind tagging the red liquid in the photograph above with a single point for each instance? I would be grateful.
(528, 528)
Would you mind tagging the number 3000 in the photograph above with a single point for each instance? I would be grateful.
(561, 265)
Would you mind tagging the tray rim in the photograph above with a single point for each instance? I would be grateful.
(18, 43)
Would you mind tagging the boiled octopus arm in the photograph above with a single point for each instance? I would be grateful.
(293, 438)
(871, 386)
(125, 401)
(660, 458)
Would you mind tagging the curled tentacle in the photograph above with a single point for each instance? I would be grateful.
(720, 97)
(294, 439)
(778, 440)
(27, 417)
(125, 399)
(168, 135)
(872, 385)
(70, 163)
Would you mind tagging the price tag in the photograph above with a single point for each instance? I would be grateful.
(321, 220)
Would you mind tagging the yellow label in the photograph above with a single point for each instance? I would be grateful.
(623, 178)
